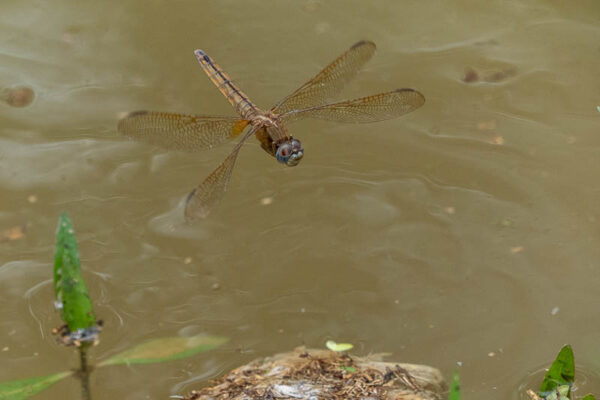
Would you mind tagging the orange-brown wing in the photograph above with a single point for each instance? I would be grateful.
(330, 81)
(180, 131)
(209, 193)
(377, 107)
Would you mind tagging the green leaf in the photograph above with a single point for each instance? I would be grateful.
(561, 372)
(70, 290)
(455, 387)
(166, 349)
(24, 388)
(589, 396)
(333, 346)
(347, 368)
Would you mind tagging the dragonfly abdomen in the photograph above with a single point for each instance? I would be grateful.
(234, 95)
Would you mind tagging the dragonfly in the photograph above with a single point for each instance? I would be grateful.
(313, 99)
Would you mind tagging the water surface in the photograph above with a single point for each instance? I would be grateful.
(464, 232)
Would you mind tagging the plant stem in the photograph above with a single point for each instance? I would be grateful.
(85, 373)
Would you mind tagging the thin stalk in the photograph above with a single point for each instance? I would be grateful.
(84, 373)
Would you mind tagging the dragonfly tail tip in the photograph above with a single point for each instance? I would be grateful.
(363, 43)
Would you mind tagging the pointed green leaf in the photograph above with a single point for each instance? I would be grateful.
(455, 388)
(333, 346)
(24, 388)
(347, 368)
(561, 372)
(166, 349)
(589, 396)
(70, 290)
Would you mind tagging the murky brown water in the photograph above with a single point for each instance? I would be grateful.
(446, 236)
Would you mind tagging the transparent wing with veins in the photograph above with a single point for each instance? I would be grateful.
(377, 107)
(180, 131)
(209, 193)
(330, 81)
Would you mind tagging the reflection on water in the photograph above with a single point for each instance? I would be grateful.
(446, 236)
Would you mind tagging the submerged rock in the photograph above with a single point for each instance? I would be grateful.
(321, 374)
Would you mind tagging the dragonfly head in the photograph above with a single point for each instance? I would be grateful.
(289, 152)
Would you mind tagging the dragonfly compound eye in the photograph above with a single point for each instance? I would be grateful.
(290, 152)
(284, 152)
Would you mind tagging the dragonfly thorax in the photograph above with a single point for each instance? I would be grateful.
(263, 120)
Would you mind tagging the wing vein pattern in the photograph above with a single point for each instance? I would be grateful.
(330, 81)
(209, 193)
(378, 107)
(180, 131)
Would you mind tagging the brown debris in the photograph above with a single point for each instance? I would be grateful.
(14, 233)
(90, 335)
(497, 139)
(470, 76)
(486, 125)
(450, 210)
(516, 249)
(490, 76)
(19, 96)
(322, 374)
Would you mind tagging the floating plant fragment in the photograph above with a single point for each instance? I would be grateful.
(333, 346)
(166, 349)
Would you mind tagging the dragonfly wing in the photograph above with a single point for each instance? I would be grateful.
(180, 131)
(330, 81)
(378, 107)
(209, 193)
